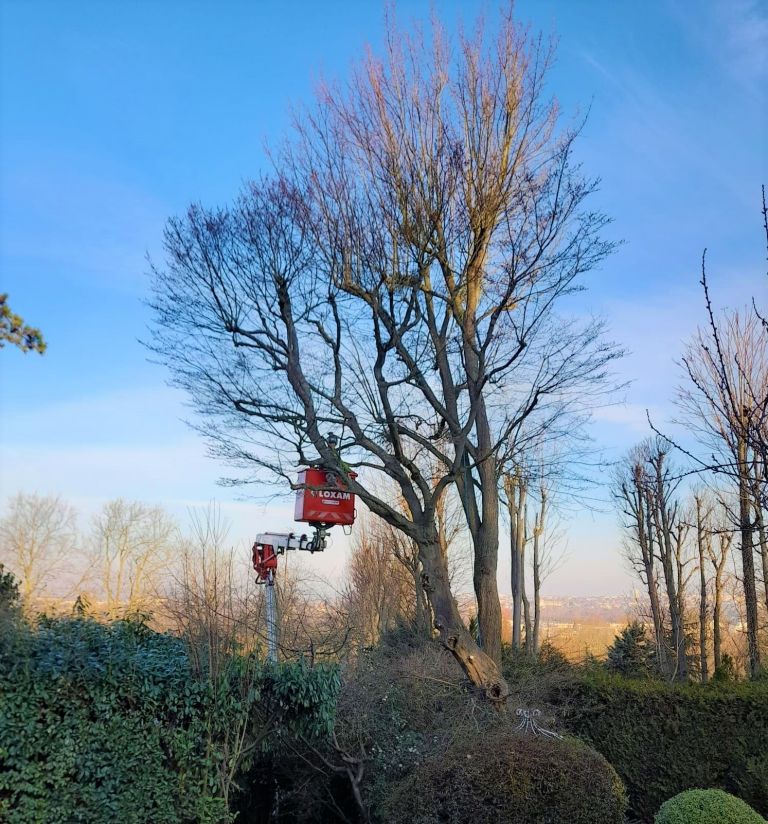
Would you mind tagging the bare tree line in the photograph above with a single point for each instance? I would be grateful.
(681, 545)
(675, 532)
(116, 558)
(133, 559)
(534, 548)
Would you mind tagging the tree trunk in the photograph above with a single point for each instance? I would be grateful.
(486, 588)
(526, 602)
(667, 552)
(703, 652)
(748, 560)
(642, 509)
(701, 538)
(486, 562)
(536, 595)
(538, 534)
(478, 666)
(516, 599)
(762, 536)
(717, 647)
(421, 618)
(516, 497)
(485, 535)
(679, 545)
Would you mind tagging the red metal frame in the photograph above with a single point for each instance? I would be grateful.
(264, 561)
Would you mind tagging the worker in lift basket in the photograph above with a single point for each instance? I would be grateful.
(333, 471)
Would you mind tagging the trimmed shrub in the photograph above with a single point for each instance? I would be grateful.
(663, 739)
(751, 782)
(707, 807)
(500, 776)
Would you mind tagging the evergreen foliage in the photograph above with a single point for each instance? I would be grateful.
(706, 807)
(631, 654)
(725, 672)
(663, 739)
(9, 591)
(108, 723)
(13, 330)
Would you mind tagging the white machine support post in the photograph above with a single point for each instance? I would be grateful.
(281, 542)
(271, 620)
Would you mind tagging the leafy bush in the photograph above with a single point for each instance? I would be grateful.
(663, 739)
(751, 781)
(10, 602)
(707, 807)
(500, 776)
(725, 671)
(108, 723)
(549, 660)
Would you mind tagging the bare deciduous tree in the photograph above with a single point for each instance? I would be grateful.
(445, 174)
(208, 596)
(210, 602)
(38, 538)
(543, 560)
(719, 552)
(671, 529)
(516, 491)
(383, 581)
(397, 283)
(265, 345)
(704, 550)
(645, 488)
(529, 487)
(629, 489)
(129, 546)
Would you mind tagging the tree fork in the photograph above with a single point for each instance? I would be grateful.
(479, 667)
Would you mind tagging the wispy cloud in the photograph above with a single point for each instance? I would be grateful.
(734, 33)
(745, 25)
(141, 415)
(78, 217)
(631, 417)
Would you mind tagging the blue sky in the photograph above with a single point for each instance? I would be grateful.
(116, 115)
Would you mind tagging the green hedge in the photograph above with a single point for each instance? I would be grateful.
(664, 739)
(707, 807)
(108, 723)
(497, 775)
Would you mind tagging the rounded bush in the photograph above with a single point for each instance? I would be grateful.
(707, 807)
(500, 776)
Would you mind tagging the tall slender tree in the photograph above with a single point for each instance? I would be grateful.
(704, 550)
(630, 492)
(444, 173)
(397, 283)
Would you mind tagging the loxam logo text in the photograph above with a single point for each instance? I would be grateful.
(331, 494)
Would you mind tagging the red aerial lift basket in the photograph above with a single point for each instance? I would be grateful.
(324, 499)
